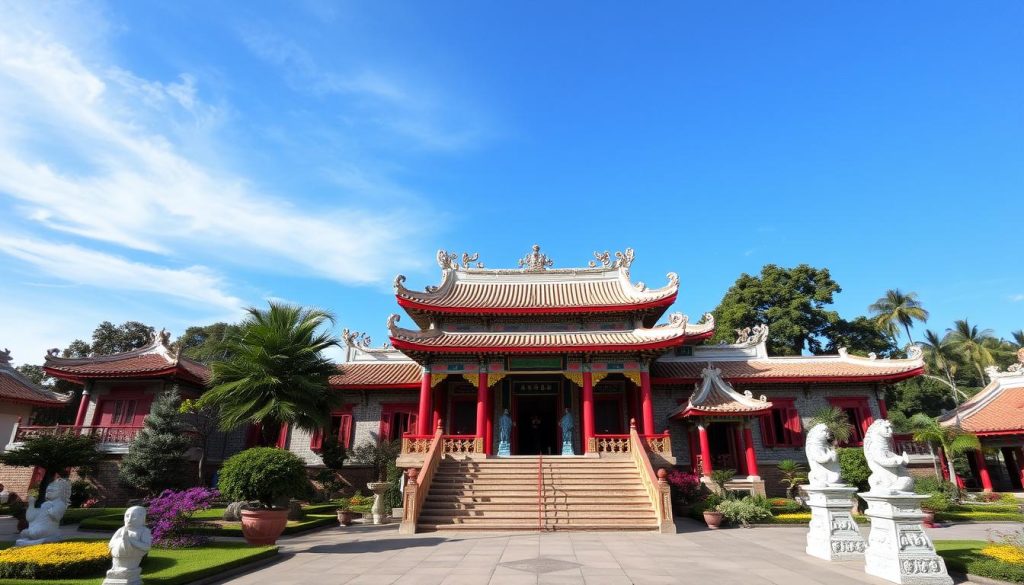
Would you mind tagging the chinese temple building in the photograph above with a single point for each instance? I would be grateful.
(996, 416)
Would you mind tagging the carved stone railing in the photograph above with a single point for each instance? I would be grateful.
(418, 484)
(655, 484)
(462, 444)
(660, 443)
(416, 444)
(107, 437)
(612, 444)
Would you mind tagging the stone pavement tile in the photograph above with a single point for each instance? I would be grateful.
(550, 579)
(607, 580)
(408, 579)
(374, 579)
(599, 571)
(520, 579)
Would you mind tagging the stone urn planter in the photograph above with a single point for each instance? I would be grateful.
(713, 519)
(262, 527)
(378, 488)
(345, 517)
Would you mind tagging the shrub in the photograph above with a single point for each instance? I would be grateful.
(937, 502)
(744, 511)
(170, 512)
(379, 453)
(853, 467)
(56, 560)
(81, 492)
(785, 506)
(988, 497)
(264, 475)
(156, 458)
(686, 487)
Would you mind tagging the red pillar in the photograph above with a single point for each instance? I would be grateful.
(423, 417)
(83, 404)
(750, 452)
(647, 402)
(481, 406)
(282, 436)
(588, 409)
(986, 479)
(439, 396)
(741, 449)
(489, 431)
(705, 450)
(1019, 454)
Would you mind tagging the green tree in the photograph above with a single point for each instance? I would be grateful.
(1018, 338)
(860, 336)
(275, 371)
(927, 394)
(791, 300)
(378, 453)
(853, 467)
(109, 339)
(156, 458)
(202, 422)
(56, 454)
(953, 440)
(793, 475)
(33, 373)
(897, 308)
(969, 342)
(206, 343)
(837, 422)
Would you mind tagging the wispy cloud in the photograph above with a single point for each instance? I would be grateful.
(1017, 298)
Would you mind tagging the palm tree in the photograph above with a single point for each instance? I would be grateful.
(953, 440)
(1018, 338)
(793, 475)
(837, 422)
(969, 342)
(897, 308)
(274, 371)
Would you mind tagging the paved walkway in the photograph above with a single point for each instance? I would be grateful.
(379, 555)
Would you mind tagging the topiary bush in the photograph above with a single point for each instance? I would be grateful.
(853, 467)
(55, 560)
(745, 511)
(264, 475)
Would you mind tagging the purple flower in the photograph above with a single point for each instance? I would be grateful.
(171, 512)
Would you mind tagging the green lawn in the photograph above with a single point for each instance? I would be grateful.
(963, 556)
(177, 566)
(316, 517)
(978, 516)
(76, 515)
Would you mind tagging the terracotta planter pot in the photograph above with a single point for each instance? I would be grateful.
(929, 518)
(262, 527)
(713, 519)
(345, 517)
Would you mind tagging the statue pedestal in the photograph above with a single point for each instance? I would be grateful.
(123, 577)
(833, 534)
(504, 449)
(567, 448)
(898, 549)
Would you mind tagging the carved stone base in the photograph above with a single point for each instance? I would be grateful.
(123, 577)
(504, 449)
(833, 534)
(567, 448)
(898, 549)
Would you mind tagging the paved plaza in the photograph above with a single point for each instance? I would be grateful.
(380, 556)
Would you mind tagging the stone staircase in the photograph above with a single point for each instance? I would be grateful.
(574, 493)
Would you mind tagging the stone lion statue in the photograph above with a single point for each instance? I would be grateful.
(888, 470)
(821, 457)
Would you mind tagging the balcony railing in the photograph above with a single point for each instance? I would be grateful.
(104, 435)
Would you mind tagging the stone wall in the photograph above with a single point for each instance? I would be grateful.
(16, 480)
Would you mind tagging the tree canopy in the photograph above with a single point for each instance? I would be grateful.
(108, 339)
(55, 454)
(897, 309)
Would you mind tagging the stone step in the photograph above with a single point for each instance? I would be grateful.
(471, 516)
(531, 499)
(532, 491)
(514, 527)
(610, 507)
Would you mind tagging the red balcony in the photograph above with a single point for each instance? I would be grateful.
(109, 438)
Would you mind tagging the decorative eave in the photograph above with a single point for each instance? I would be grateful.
(154, 360)
(713, 396)
(15, 387)
(536, 289)
(747, 361)
(420, 343)
(998, 409)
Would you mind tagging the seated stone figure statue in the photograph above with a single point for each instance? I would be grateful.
(821, 457)
(888, 470)
(44, 521)
(128, 546)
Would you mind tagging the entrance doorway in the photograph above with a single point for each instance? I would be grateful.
(723, 451)
(608, 415)
(536, 428)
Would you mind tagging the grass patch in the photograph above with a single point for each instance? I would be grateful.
(211, 523)
(965, 556)
(76, 515)
(979, 516)
(176, 566)
(805, 518)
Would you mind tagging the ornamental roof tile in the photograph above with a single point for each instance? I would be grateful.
(15, 387)
(153, 360)
(378, 374)
(714, 396)
(998, 409)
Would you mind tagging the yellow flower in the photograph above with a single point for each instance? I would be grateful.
(794, 516)
(55, 559)
(1007, 553)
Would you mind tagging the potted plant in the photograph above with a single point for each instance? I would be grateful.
(712, 516)
(345, 514)
(266, 477)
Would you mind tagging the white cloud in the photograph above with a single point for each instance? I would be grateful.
(1017, 298)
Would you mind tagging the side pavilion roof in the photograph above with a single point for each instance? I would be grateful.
(998, 409)
(154, 360)
(15, 387)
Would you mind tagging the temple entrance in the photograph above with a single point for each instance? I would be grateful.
(723, 448)
(536, 425)
(608, 415)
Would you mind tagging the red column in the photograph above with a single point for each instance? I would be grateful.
(282, 436)
(489, 431)
(986, 479)
(423, 417)
(750, 452)
(647, 402)
(439, 396)
(481, 406)
(705, 450)
(741, 450)
(588, 409)
(83, 404)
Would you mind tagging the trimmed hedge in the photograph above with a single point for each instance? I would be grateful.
(965, 556)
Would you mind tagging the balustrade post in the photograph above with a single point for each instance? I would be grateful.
(409, 503)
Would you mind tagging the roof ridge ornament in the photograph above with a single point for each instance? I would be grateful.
(535, 261)
(751, 336)
(622, 260)
(450, 260)
(162, 337)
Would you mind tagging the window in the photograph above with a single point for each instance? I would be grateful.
(857, 412)
(397, 420)
(781, 427)
(341, 427)
(120, 413)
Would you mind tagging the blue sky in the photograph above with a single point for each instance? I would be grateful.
(173, 163)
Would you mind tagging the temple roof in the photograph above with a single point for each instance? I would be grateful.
(676, 332)
(535, 288)
(998, 409)
(378, 375)
(154, 360)
(747, 361)
(15, 387)
(714, 396)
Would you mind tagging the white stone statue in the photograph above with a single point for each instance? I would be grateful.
(5, 495)
(567, 424)
(44, 521)
(128, 546)
(821, 457)
(888, 470)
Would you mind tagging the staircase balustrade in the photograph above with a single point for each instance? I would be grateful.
(656, 484)
(612, 444)
(462, 444)
(418, 484)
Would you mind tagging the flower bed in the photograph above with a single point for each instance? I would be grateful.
(979, 516)
(967, 556)
(805, 517)
(55, 560)
(210, 523)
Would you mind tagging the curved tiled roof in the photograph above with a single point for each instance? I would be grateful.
(378, 374)
(997, 410)
(151, 361)
(792, 369)
(714, 396)
(15, 387)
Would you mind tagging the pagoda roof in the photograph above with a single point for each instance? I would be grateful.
(714, 396)
(536, 289)
(154, 360)
(998, 409)
(747, 361)
(432, 341)
(15, 387)
(374, 367)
